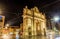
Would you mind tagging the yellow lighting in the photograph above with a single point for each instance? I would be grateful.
(5, 36)
(29, 22)
(7, 25)
(33, 22)
(38, 28)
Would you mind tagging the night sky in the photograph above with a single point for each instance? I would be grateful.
(13, 9)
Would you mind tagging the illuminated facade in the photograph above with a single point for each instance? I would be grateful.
(34, 22)
(10, 30)
(2, 19)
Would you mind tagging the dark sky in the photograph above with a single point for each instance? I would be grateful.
(12, 9)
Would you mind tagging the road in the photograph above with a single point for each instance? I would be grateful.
(30, 37)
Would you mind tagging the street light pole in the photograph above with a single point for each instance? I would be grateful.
(52, 24)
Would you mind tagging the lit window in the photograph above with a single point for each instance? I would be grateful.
(0, 19)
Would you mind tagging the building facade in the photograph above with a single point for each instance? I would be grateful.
(2, 20)
(34, 22)
(10, 30)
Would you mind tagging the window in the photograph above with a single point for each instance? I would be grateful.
(0, 19)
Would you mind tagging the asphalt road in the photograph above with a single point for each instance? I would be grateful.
(29, 37)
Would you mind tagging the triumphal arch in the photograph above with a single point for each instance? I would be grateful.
(34, 22)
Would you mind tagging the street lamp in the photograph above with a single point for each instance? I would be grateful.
(7, 25)
(56, 18)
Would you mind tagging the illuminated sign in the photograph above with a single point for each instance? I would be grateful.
(0, 18)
